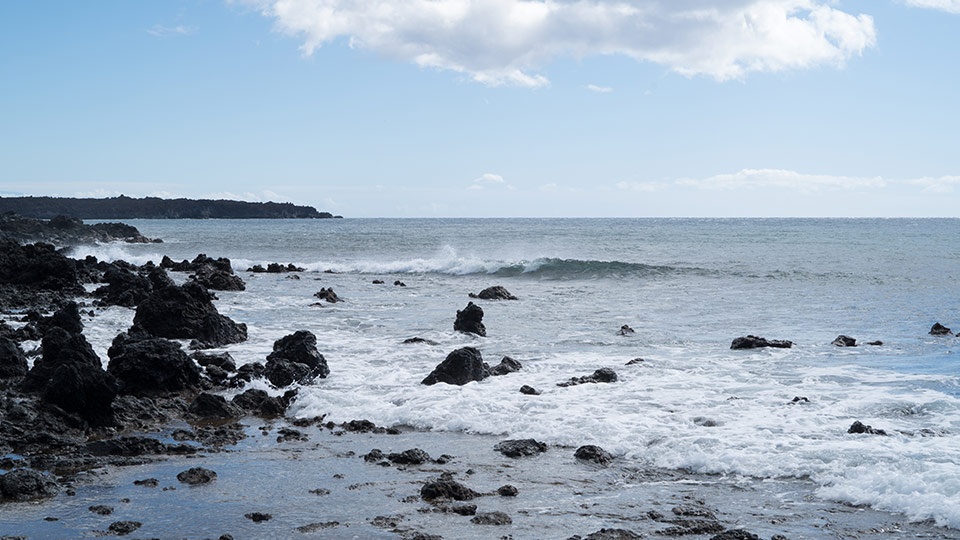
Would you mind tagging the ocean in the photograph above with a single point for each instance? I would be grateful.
(687, 287)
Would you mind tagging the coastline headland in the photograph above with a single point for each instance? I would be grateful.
(123, 207)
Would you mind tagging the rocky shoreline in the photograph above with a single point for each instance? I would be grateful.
(66, 422)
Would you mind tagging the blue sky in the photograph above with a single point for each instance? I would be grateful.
(494, 108)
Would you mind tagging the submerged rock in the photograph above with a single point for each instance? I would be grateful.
(593, 454)
(496, 292)
(940, 330)
(460, 367)
(328, 295)
(602, 375)
(754, 342)
(844, 341)
(492, 518)
(516, 448)
(447, 489)
(197, 475)
(470, 320)
(26, 485)
(506, 365)
(625, 330)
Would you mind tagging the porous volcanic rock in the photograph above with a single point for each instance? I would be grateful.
(754, 342)
(602, 375)
(460, 367)
(506, 365)
(25, 485)
(594, 454)
(147, 365)
(520, 447)
(295, 359)
(496, 292)
(470, 320)
(187, 312)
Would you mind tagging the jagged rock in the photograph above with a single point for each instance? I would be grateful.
(594, 454)
(520, 447)
(496, 292)
(529, 390)
(275, 268)
(844, 341)
(754, 342)
(610, 534)
(218, 279)
(447, 489)
(625, 330)
(260, 403)
(940, 330)
(222, 360)
(187, 312)
(414, 456)
(506, 365)
(26, 485)
(295, 359)
(602, 375)
(492, 518)
(12, 361)
(858, 427)
(37, 266)
(460, 367)
(209, 406)
(70, 375)
(123, 287)
(123, 528)
(328, 295)
(147, 365)
(134, 446)
(197, 475)
(735, 534)
(470, 320)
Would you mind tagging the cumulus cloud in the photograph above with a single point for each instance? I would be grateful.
(950, 6)
(778, 178)
(499, 42)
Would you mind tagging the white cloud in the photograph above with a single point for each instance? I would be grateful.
(950, 6)
(599, 89)
(498, 42)
(778, 178)
(943, 184)
(489, 179)
(158, 30)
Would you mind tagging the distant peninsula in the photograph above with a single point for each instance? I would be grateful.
(123, 207)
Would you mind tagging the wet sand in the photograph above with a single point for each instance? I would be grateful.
(319, 486)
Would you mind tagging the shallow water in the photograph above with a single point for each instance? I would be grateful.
(688, 287)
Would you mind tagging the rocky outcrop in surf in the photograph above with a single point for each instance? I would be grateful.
(470, 320)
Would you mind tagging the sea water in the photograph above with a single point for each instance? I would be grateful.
(687, 287)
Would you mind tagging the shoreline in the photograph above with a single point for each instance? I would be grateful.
(316, 483)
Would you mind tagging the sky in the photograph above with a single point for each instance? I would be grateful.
(490, 108)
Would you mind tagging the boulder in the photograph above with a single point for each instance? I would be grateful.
(470, 320)
(859, 428)
(147, 365)
(593, 454)
(217, 279)
(754, 342)
(123, 287)
(222, 360)
(940, 330)
(494, 293)
(210, 406)
(196, 476)
(69, 374)
(625, 330)
(507, 490)
(492, 518)
(414, 456)
(260, 403)
(187, 312)
(12, 361)
(602, 375)
(515, 448)
(295, 359)
(529, 390)
(844, 341)
(506, 365)
(328, 295)
(26, 484)
(447, 489)
(460, 367)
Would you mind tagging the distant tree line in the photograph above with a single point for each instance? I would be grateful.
(124, 207)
